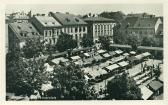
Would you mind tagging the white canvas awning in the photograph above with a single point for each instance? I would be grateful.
(126, 54)
(112, 67)
(132, 52)
(86, 54)
(48, 67)
(146, 93)
(139, 57)
(118, 51)
(75, 57)
(146, 54)
(57, 60)
(47, 86)
(123, 63)
(101, 51)
(106, 55)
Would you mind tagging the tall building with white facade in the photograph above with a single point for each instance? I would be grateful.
(71, 24)
(48, 27)
(99, 26)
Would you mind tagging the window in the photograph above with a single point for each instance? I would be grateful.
(80, 29)
(76, 29)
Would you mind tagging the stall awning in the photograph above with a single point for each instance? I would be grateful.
(94, 73)
(86, 54)
(48, 67)
(75, 57)
(118, 52)
(132, 52)
(123, 64)
(112, 53)
(126, 54)
(102, 71)
(146, 54)
(101, 51)
(98, 57)
(146, 93)
(112, 67)
(139, 57)
(155, 85)
(133, 58)
(57, 60)
(106, 55)
(47, 86)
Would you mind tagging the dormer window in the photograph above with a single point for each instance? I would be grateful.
(77, 20)
(30, 27)
(68, 20)
(53, 22)
(19, 27)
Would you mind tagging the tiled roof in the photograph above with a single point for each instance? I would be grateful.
(68, 19)
(47, 21)
(139, 22)
(98, 19)
(24, 30)
(129, 21)
(146, 22)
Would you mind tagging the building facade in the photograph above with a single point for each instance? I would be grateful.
(147, 26)
(48, 27)
(71, 24)
(99, 26)
(18, 33)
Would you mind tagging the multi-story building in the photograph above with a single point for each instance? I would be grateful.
(99, 26)
(71, 24)
(147, 26)
(48, 27)
(18, 33)
(18, 17)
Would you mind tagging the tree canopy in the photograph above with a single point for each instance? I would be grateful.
(123, 87)
(87, 41)
(105, 42)
(33, 47)
(65, 42)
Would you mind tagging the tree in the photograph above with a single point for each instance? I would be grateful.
(118, 37)
(69, 83)
(65, 42)
(133, 40)
(32, 48)
(87, 41)
(105, 42)
(148, 41)
(123, 87)
(24, 76)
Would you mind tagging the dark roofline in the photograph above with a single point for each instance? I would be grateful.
(57, 19)
(43, 25)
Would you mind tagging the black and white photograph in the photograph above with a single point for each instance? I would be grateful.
(84, 52)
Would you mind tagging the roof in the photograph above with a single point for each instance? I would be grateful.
(68, 19)
(155, 85)
(57, 60)
(118, 51)
(98, 19)
(129, 21)
(120, 46)
(106, 55)
(101, 51)
(145, 22)
(146, 93)
(123, 63)
(75, 57)
(24, 30)
(112, 67)
(47, 21)
(150, 48)
(139, 22)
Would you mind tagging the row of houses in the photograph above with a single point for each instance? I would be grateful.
(51, 26)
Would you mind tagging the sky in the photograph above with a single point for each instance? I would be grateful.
(156, 9)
